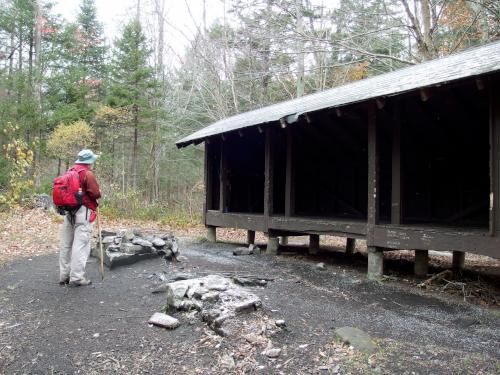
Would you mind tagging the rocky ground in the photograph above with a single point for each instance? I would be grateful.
(45, 328)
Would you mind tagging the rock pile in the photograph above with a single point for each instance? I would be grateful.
(215, 299)
(129, 246)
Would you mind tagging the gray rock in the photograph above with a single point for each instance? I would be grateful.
(167, 236)
(254, 248)
(128, 235)
(196, 292)
(242, 251)
(280, 323)
(174, 247)
(113, 248)
(108, 240)
(272, 352)
(227, 361)
(357, 338)
(142, 242)
(44, 201)
(164, 320)
(107, 233)
(129, 248)
(321, 266)
(210, 297)
(158, 242)
(137, 232)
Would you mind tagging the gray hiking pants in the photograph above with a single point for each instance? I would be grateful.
(75, 245)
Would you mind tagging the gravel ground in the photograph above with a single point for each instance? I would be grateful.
(45, 328)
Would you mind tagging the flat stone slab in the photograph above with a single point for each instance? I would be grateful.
(357, 338)
(164, 320)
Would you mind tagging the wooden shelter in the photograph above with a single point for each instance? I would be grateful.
(406, 160)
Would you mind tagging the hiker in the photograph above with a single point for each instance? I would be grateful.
(77, 227)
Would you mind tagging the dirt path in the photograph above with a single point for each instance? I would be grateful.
(45, 328)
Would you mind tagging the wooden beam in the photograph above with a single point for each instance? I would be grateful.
(253, 222)
(268, 175)
(289, 176)
(334, 227)
(373, 173)
(409, 237)
(396, 197)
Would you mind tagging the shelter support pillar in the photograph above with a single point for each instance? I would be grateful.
(212, 234)
(268, 176)
(375, 263)
(350, 245)
(421, 263)
(313, 244)
(375, 253)
(458, 261)
(250, 237)
(272, 245)
(284, 240)
(495, 159)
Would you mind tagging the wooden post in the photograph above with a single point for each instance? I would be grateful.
(268, 177)
(350, 246)
(458, 261)
(396, 198)
(421, 263)
(375, 254)
(375, 262)
(250, 237)
(313, 244)
(223, 179)
(284, 240)
(211, 234)
(272, 245)
(289, 179)
(495, 159)
(208, 181)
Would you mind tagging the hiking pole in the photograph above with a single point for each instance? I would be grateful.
(101, 254)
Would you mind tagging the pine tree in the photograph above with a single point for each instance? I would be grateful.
(133, 84)
(91, 47)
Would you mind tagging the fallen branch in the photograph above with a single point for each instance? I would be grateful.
(438, 276)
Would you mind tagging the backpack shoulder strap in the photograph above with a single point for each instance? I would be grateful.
(79, 170)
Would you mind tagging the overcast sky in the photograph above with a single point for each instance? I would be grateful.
(113, 14)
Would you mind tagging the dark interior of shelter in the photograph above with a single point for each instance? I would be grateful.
(244, 158)
(445, 158)
(331, 169)
(444, 162)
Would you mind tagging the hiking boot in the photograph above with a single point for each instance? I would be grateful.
(83, 282)
(64, 281)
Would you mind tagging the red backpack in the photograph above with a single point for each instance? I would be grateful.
(66, 190)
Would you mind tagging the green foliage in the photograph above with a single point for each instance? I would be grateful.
(66, 140)
(19, 157)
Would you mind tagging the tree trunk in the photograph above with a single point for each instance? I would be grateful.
(300, 47)
(135, 150)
